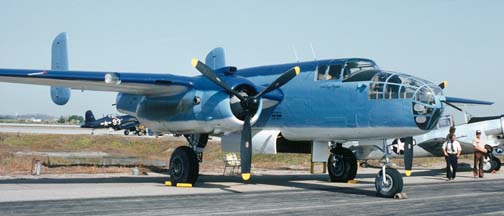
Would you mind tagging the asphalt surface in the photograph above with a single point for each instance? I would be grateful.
(291, 194)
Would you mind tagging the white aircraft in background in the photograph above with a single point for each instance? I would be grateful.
(429, 144)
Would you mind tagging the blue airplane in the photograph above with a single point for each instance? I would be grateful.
(126, 122)
(294, 107)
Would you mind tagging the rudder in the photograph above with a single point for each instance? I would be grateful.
(59, 61)
(89, 116)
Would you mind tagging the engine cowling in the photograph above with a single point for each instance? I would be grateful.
(197, 111)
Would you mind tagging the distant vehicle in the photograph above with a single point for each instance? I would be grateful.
(127, 123)
(429, 144)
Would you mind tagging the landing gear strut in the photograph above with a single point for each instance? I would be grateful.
(184, 161)
(388, 181)
(342, 164)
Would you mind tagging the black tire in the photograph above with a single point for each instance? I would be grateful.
(496, 164)
(126, 132)
(342, 165)
(395, 183)
(184, 166)
(140, 133)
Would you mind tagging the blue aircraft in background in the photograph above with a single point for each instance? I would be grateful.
(126, 122)
(304, 107)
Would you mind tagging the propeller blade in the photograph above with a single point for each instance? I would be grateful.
(455, 107)
(280, 81)
(246, 148)
(211, 75)
(443, 85)
(408, 155)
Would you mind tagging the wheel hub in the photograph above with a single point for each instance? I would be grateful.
(177, 167)
(387, 185)
(338, 165)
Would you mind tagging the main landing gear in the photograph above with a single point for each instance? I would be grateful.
(342, 164)
(388, 181)
(184, 161)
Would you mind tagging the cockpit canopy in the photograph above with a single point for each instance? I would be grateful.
(391, 85)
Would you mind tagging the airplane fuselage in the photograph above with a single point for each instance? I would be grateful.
(314, 107)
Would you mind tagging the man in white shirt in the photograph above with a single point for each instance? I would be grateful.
(451, 150)
(479, 154)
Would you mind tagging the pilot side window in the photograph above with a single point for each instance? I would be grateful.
(321, 72)
(328, 73)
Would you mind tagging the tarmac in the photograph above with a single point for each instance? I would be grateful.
(52, 129)
(276, 192)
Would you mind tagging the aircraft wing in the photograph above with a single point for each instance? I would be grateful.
(147, 84)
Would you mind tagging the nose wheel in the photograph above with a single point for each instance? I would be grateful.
(388, 181)
(390, 184)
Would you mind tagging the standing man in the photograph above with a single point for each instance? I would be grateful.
(451, 150)
(452, 131)
(479, 154)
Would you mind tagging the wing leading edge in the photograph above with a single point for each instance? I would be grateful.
(147, 84)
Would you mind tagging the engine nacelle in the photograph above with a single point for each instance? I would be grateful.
(60, 95)
(265, 142)
(212, 112)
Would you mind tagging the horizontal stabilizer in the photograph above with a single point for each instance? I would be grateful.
(467, 101)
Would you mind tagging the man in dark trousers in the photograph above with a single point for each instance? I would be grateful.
(451, 150)
(479, 154)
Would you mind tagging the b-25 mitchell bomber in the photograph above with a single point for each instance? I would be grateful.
(292, 107)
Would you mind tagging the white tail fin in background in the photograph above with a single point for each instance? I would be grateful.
(59, 61)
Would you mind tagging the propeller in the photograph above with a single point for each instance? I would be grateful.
(455, 107)
(443, 85)
(248, 104)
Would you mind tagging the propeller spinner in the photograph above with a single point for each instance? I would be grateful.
(248, 103)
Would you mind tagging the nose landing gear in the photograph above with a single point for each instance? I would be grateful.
(388, 181)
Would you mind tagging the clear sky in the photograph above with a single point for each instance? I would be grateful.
(458, 41)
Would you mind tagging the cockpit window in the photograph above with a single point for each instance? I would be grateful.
(354, 66)
(321, 72)
(331, 72)
(334, 72)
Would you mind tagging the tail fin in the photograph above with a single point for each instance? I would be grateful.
(89, 116)
(216, 58)
(59, 61)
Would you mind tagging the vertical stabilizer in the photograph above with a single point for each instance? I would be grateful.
(216, 59)
(59, 55)
(59, 61)
(89, 117)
